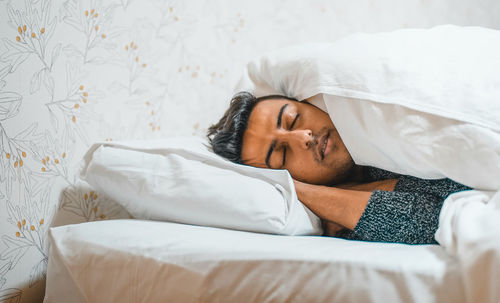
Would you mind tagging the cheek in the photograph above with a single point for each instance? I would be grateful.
(300, 161)
(307, 170)
(313, 175)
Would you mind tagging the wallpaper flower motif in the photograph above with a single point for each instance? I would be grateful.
(34, 29)
(74, 72)
(92, 20)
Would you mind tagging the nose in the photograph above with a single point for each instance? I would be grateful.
(301, 138)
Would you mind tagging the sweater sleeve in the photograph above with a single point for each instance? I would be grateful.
(409, 214)
(439, 187)
(410, 218)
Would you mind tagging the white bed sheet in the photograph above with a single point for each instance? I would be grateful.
(148, 261)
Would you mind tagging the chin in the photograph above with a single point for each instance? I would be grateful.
(342, 174)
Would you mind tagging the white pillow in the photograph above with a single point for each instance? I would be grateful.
(421, 102)
(182, 180)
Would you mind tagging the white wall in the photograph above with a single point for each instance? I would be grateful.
(152, 68)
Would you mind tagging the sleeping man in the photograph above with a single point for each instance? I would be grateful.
(354, 202)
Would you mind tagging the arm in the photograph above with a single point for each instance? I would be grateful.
(404, 217)
(387, 185)
(410, 214)
(384, 216)
(343, 205)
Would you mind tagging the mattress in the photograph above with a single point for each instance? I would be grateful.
(148, 261)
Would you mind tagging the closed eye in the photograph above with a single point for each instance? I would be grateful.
(294, 120)
(284, 157)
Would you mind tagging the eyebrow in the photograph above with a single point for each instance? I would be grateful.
(274, 142)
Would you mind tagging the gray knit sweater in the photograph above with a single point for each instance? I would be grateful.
(409, 214)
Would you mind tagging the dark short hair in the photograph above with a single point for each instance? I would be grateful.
(226, 136)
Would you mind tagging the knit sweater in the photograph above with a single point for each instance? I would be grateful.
(409, 214)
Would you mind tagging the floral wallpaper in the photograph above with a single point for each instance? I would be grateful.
(73, 72)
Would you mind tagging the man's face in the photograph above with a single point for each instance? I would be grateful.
(297, 136)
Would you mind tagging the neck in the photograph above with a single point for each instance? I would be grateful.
(358, 174)
(354, 175)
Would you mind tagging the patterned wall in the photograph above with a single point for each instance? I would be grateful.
(73, 72)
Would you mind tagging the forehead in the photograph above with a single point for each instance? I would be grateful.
(259, 132)
(268, 109)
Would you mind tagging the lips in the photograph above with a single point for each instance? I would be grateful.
(322, 145)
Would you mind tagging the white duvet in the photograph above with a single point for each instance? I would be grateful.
(469, 229)
(421, 102)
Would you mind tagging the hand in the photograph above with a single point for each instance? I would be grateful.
(305, 191)
(331, 229)
(300, 188)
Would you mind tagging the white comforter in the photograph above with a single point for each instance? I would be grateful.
(469, 229)
(418, 102)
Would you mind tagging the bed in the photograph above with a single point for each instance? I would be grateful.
(379, 106)
(149, 261)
